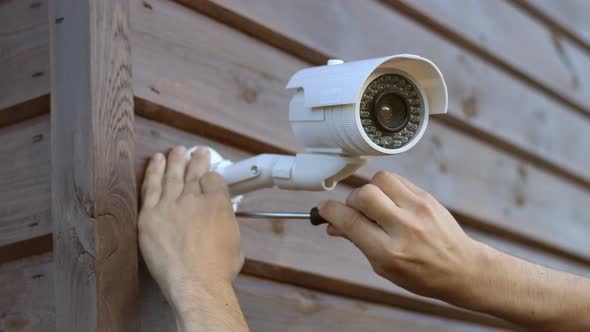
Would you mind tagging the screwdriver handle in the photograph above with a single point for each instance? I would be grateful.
(315, 218)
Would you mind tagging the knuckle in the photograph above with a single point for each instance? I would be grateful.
(327, 210)
(425, 195)
(188, 198)
(329, 207)
(367, 193)
(424, 208)
(220, 198)
(392, 254)
(418, 230)
(351, 223)
(172, 179)
(212, 176)
(381, 176)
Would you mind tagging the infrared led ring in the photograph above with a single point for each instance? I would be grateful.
(390, 110)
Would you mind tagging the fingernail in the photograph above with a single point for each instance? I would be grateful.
(321, 205)
(158, 157)
(203, 151)
(180, 150)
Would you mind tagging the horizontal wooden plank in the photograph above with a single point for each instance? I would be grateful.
(27, 305)
(568, 17)
(23, 23)
(24, 51)
(233, 81)
(24, 181)
(496, 31)
(27, 302)
(293, 244)
(479, 93)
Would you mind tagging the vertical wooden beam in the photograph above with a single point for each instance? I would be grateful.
(94, 198)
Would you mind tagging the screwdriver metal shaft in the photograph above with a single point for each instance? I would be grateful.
(286, 215)
(313, 216)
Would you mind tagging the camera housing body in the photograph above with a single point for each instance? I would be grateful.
(334, 112)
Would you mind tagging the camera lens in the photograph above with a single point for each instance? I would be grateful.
(390, 110)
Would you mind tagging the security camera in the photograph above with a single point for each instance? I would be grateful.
(370, 107)
(341, 112)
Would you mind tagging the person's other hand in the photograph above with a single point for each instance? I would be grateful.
(406, 234)
(188, 234)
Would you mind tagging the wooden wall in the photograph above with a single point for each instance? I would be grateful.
(510, 160)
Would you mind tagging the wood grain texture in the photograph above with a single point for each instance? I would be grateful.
(534, 133)
(233, 81)
(94, 197)
(25, 193)
(27, 301)
(27, 305)
(24, 52)
(495, 31)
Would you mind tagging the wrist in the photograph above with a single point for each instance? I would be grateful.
(471, 286)
(206, 305)
(188, 294)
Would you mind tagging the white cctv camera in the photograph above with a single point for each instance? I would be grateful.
(370, 107)
(343, 111)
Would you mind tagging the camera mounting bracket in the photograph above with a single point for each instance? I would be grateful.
(304, 171)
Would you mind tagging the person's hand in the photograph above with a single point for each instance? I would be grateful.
(188, 234)
(406, 234)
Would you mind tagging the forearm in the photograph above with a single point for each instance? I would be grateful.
(525, 293)
(208, 308)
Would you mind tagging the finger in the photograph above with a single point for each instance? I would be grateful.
(391, 186)
(212, 182)
(197, 167)
(414, 188)
(151, 189)
(174, 177)
(333, 231)
(422, 194)
(353, 225)
(374, 204)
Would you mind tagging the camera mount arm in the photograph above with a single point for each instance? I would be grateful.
(314, 172)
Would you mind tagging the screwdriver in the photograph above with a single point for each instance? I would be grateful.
(313, 216)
